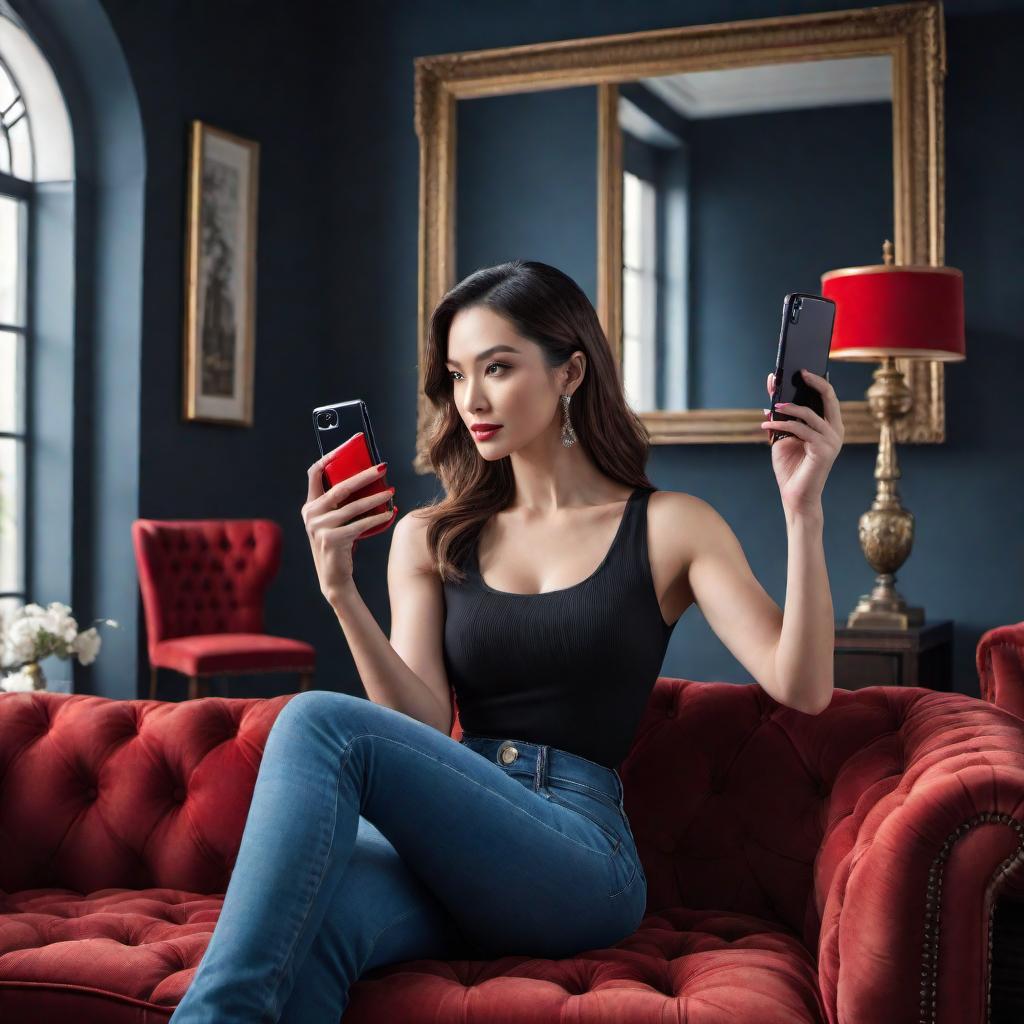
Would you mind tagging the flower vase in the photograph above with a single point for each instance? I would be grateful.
(35, 671)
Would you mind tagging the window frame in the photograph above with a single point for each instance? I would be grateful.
(23, 192)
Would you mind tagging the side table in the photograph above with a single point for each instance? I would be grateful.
(919, 656)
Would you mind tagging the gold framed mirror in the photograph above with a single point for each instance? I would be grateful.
(772, 67)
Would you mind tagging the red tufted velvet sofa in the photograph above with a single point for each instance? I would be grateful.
(837, 867)
(1000, 661)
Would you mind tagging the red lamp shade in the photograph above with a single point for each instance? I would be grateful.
(910, 312)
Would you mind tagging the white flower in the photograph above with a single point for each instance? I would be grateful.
(21, 639)
(87, 645)
(17, 682)
(59, 623)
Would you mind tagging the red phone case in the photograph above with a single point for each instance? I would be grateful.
(351, 458)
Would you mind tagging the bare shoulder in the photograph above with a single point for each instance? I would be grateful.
(409, 541)
(675, 520)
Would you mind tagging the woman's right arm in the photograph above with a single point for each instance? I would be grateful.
(406, 672)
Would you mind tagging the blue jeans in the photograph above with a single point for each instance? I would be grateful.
(373, 838)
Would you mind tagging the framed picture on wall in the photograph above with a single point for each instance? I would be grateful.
(220, 276)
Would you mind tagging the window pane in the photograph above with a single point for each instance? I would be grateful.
(8, 606)
(12, 488)
(8, 92)
(12, 359)
(11, 263)
(21, 149)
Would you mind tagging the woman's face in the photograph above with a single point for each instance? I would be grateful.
(511, 385)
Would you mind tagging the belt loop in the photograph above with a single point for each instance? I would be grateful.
(540, 775)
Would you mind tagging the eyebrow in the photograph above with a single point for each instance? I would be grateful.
(488, 352)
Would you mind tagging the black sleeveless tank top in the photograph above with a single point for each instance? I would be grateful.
(572, 668)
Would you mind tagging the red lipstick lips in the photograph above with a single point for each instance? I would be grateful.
(483, 431)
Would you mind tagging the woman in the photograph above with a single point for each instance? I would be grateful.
(374, 837)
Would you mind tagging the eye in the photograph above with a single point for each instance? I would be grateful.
(489, 365)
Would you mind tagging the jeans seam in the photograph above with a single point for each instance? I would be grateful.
(599, 794)
(327, 859)
(386, 928)
(629, 883)
(615, 839)
(611, 835)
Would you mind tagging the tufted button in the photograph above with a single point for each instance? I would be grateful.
(670, 713)
(179, 794)
(507, 752)
(91, 793)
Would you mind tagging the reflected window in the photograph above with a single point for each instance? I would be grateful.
(639, 290)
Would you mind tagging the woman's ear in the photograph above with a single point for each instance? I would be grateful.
(576, 368)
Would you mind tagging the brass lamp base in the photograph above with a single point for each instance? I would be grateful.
(884, 608)
(886, 530)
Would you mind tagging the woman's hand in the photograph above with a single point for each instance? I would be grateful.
(802, 462)
(332, 528)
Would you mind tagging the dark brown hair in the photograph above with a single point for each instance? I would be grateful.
(547, 307)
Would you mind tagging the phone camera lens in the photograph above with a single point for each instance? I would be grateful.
(325, 420)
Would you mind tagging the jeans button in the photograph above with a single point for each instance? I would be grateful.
(507, 752)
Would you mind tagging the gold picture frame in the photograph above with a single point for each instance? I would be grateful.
(912, 34)
(220, 277)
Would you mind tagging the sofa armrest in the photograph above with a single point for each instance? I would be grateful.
(907, 924)
(999, 657)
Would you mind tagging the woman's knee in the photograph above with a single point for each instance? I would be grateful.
(316, 706)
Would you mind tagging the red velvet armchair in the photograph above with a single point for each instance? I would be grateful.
(838, 867)
(203, 583)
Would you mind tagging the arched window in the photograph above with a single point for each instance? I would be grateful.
(36, 150)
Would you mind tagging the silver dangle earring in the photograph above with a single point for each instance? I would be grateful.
(568, 434)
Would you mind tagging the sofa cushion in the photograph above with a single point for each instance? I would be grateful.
(128, 955)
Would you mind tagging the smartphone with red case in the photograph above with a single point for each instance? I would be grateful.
(358, 451)
(804, 342)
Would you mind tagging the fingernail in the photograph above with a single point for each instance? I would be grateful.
(380, 466)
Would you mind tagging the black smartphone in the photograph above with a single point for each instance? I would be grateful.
(804, 343)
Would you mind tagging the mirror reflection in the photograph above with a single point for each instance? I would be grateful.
(740, 185)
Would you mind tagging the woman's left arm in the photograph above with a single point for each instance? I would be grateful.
(804, 655)
(805, 651)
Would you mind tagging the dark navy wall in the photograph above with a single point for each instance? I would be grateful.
(329, 93)
(255, 69)
(967, 494)
(778, 199)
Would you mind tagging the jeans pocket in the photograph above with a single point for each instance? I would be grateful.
(578, 803)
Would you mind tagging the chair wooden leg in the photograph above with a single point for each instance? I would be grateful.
(305, 680)
(152, 682)
(193, 687)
